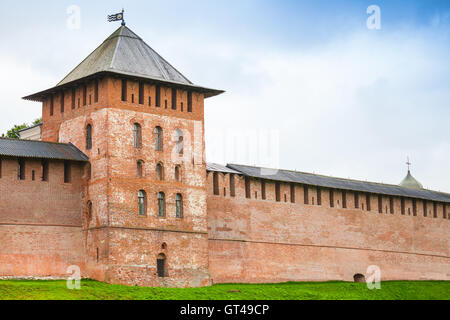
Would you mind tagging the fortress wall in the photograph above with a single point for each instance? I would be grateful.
(40, 222)
(254, 240)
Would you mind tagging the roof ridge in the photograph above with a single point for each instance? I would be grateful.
(35, 141)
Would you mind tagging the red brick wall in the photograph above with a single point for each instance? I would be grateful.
(40, 221)
(254, 240)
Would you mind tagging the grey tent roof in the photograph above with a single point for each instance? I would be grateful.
(125, 53)
(40, 150)
(338, 183)
(214, 167)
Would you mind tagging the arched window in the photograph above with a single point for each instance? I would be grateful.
(158, 139)
(161, 265)
(177, 173)
(88, 137)
(89, 210)
(161, 204)
(179, 141)
(179, 205)
(140, 169)
(160, 172)
(137, 135)
(142, 203)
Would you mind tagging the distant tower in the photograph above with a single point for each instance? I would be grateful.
(141, 123)
(409, 181)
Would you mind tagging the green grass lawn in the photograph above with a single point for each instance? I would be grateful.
(93, 290)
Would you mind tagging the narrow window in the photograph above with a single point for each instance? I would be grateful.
(368, 202)
(331, 198)
(189, 109)
(181, 105)
(179, 205)
(434, 210)
(0, 168)
(174, 99)
(179, 141)
(277, 192)
(142, 205)
(305, 195)
(177, 173)
(247, 188)
(137, 135)
(84, 94)
(141, 93)
(402, 204)
(124, 90)
(444, 206)
(51, 105)
(161, 266)
(21, 169)
(140, 169)
(89, 210)
(88, 137)
(425, 210)
(380, 203)
(344, 199)
(263, 189)
(132, 98)
(319, 196)
(96, 91)
(414, 202)
(356, 200)
(33, 175)
(44, 167)
(160, 172)
(158, 96)
(292, 193)
(97, 255)
(67, 172)
(149, 101)
(161, 204)
(158, 139)
(165, 104)
(216, 183)
(62, 102)
(73, 98)
(90, 99)
(232, 185)
(391, 204)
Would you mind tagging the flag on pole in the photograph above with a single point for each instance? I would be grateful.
(116, 17)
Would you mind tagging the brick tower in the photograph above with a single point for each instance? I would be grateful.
(141, 124)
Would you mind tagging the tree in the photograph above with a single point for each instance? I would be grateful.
(13, 132)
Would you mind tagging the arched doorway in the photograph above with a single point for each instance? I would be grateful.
(161, 265)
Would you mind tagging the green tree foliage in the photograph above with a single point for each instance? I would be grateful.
(13, 132)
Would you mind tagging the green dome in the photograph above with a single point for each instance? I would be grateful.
(410, 182)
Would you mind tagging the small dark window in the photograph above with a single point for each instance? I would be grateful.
(33, 175)
(331, 198)
(161, 266)
(444, 205)
(67, 172)
(132, 98)
(140, 169)
(263, 189)
(402, 204)
(319, 196)
(160, 172)
(434, 210)
(356, 200)
(84, 94)
(21, 169)
(137, 135)
(88, 137)
(165, 104)
(344, 199)
(380, 203)
(158, 96)
(161, 204)
(179, 205)
(174, 99)
(142, 203)
(141, 93)
(216, 183)
(44, 166)
(177, 173)
(96, 91)
(73, 98)
(51, 105)
(181, 105)
(158, 139)
(62, 102)
(391, 204)
(414, 203)
(89, 210)
(305, 195)
(292, 193)
(189, 109)
(0, 168)
(368, 202)
(359, 278)
(247, 188)
(277, 191)
(90, 99)
(124, 90)
(232, 185)
(149, 101)
(425, 210)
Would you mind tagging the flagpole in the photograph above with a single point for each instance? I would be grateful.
(123, 20)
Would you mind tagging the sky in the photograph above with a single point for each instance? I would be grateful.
(309, 86)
